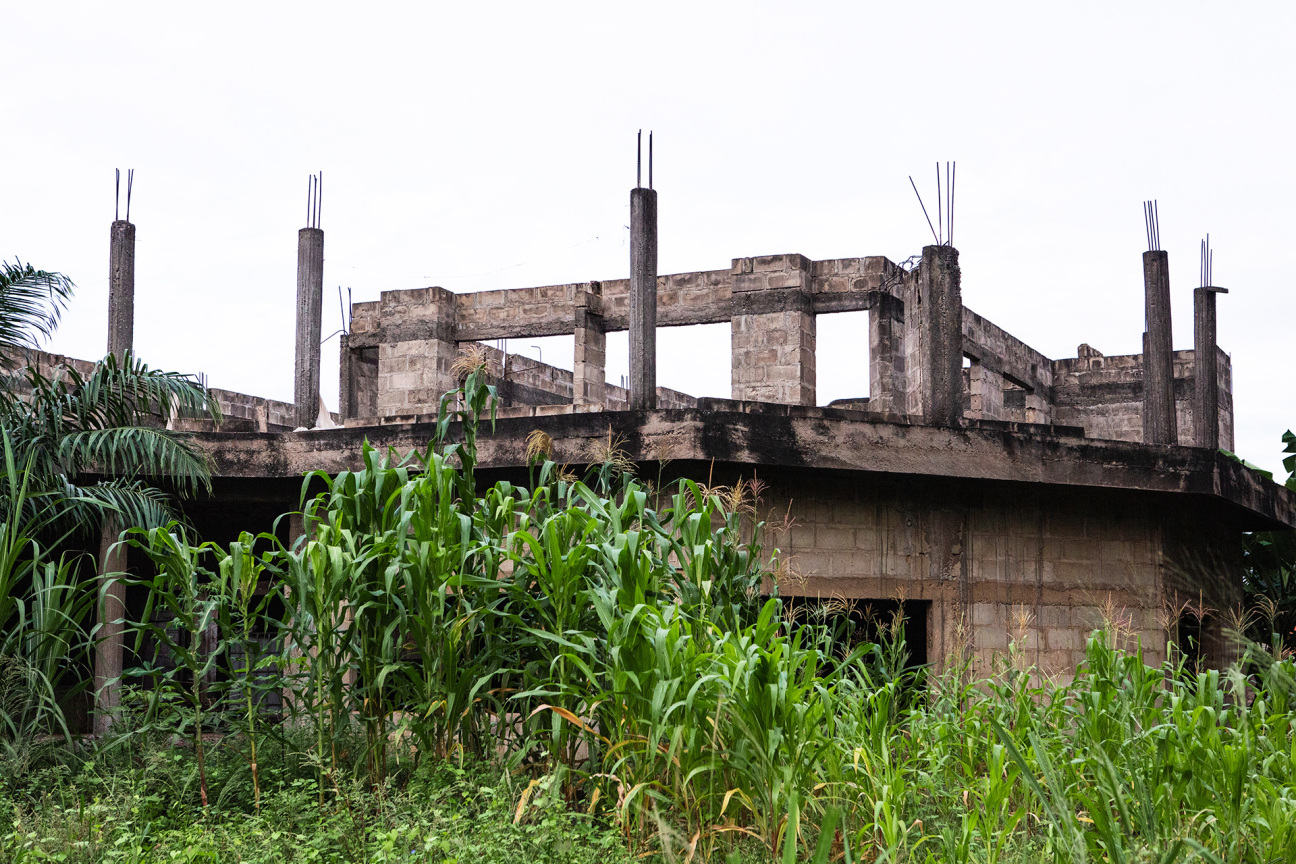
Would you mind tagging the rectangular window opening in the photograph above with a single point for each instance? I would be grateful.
(692, 360)
(869, 620)
(533, 370)
(842, 359)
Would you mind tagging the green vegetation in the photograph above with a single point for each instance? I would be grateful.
(78, 452)
(588, 671)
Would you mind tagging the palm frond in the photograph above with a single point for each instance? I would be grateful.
(136, 503)
(31, 303)
(120, 393)
(137, 451)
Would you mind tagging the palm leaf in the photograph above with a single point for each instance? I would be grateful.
(136, 503)
(121, 393)
(31, 302)
(135, 451)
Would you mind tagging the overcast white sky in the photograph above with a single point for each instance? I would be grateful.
(489, 146)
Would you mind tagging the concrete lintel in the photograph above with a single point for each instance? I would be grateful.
(697, 308)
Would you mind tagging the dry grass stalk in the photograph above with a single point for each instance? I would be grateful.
(471, 358)
(538, 444)
(613, 453)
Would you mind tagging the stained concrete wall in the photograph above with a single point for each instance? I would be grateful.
(771, 302)
(1104, 395)
(999, 564)
(417, 350)
(244, 413)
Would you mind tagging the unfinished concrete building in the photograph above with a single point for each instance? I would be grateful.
(1011, 495)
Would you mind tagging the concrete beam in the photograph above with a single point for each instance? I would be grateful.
(310, 297)
(761, 434)
(643, 298)
(1159, 425)
(121, 288)
(701, 297)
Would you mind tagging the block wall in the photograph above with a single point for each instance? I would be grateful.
(772, 332)
(1105, 396)
(774, 358)
(417, 351)
(1014, 564)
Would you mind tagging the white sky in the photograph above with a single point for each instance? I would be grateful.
(488, 146)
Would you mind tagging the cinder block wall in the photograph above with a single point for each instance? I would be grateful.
(1017, 564)
(773, 333)
(1105, 396)
(417, 350)
(405, 343)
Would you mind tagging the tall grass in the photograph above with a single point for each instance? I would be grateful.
(608, 646)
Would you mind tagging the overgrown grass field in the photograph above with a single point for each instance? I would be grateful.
(594, 671)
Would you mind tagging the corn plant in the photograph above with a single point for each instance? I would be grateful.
(185, 603)
(241, 572)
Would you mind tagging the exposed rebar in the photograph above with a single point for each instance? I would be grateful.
(939, 220)
(924, 208)
(953, 177)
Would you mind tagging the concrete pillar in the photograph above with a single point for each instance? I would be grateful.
(121, 288)
(773, 330)
(417, 351)
(1206, 369)
(110, 638)
(346, 387)
(1159, 426)
(886, 356)
(643, 299)
(112, 592)
(310, 297)
(934, 325)
(589, 372)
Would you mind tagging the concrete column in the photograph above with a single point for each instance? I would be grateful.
(1206, 369)
(417, 352)
(1159, 426)
(310, 297)
(346, 406)
(773, 330)
(589, 372)
(110, 637)
(643, 299)
(886, 356)
(935, 310)
(121, 288)
(112, 592)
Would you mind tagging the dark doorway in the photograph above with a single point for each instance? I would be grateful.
(864, 619)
